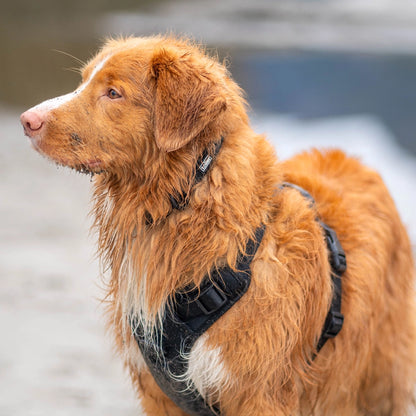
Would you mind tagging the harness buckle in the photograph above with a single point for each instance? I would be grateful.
(206, 301)
(210, 300)
(333, 324)
(337, 255)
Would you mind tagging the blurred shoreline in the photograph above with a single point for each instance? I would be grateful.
(32, 33)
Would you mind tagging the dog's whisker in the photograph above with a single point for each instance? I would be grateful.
(73, 69)
(80, 61)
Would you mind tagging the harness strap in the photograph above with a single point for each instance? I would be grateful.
(335, 319)
(192, 312)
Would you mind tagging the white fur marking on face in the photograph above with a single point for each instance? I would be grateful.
(56, 102)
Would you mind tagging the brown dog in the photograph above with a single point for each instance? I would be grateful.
(145, 112)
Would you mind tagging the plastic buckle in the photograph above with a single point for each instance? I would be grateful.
(210, 300)
(338, 260)
(334, 324)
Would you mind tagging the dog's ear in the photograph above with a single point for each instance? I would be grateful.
(186, 99)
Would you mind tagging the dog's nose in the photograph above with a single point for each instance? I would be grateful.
(32, 122)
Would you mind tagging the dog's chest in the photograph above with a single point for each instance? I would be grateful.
(205, 369)
(204, 366)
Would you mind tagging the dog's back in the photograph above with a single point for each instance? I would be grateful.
(376, 349)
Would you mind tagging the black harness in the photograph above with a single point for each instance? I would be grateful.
(194, 309)
(334, 319)
(191, 313)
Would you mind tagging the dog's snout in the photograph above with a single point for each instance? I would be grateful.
(32, 122)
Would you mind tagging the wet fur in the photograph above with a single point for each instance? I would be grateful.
(176, 101)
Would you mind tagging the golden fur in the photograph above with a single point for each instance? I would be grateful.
(172, 101)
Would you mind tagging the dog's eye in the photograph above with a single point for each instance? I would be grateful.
(113, 94)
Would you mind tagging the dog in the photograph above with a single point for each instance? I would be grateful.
(144, 113)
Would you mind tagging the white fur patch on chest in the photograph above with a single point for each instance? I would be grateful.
(206, 369)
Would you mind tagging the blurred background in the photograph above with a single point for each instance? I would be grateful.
(326, 73)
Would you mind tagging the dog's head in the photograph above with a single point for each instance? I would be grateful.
(140, 96)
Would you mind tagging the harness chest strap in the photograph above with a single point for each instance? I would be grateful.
(191, 313)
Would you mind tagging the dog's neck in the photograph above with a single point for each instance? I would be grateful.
(180, 199)
(224, 211)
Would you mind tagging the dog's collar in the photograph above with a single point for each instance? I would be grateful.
(180, 200)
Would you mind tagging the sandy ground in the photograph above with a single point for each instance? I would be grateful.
(55, 358)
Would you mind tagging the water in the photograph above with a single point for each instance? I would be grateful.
(315, 85)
